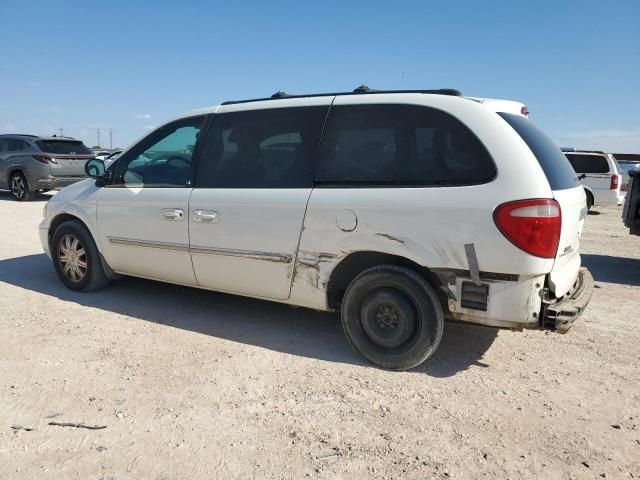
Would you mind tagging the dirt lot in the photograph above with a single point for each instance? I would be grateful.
(192, 384)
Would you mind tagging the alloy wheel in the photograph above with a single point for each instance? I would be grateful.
(72, 258)
(18, 187)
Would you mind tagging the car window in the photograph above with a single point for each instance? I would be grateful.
(554, 164)
(588, 163)
(387, 145)
(271, 148)
(63, 147)
(163, 158)
(3, 145)
(16, 145)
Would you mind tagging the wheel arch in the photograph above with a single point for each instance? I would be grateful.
(357, 262)
(14, 169)
(62, 217)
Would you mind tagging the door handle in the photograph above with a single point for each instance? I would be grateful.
(173, 214)
(205, 216)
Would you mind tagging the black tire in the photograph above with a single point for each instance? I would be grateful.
(589, 200)
(392, 317)
(20, 187)
(89, 274)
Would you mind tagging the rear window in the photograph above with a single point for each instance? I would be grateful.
(391, 145)
(63, 147)
(588, 163)
(554, 164)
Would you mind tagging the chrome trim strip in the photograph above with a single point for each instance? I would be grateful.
(228, 252)
(256, 255)
(145, 243)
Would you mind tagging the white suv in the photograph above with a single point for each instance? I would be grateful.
(399, 209)
(599, 174)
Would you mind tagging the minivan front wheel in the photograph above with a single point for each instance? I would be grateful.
(76, 258)
(20, 187)
(392, 317)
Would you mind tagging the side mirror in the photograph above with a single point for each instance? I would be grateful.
(581, 177)
(95, 168)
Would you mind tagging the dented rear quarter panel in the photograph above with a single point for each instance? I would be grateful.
(428, 225)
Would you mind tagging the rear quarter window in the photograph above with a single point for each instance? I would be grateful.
(400, 145)
(588, 163)
(554, 164)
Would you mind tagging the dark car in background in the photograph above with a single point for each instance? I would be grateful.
(29, 163)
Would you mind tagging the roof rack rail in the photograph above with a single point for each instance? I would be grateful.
(361, 90)
(20, 135)
(580, 150)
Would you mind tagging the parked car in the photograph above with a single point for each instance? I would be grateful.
(397, 209)
(101, 154)
(625, 166)
(111, 157)
(599, 175)
(631, 209)
(29, 163)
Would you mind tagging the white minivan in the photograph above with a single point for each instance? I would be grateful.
(397, 208)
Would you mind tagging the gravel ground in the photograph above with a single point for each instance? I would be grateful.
(194, 384)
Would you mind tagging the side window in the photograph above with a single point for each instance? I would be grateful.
(387, 145)
(16, 145)
(589, 163)
(162, 159)
(3, 145)
(270, 148)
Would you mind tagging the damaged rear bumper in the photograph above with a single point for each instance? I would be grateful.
(560, 314)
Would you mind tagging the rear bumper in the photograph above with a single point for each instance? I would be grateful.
(608, 197)
(51, 182)
(560, 315)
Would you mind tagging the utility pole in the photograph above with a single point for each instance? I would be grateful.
(98, 130)
(111, 139)
(61, 130)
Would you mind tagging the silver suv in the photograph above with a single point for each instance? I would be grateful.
(29, 163)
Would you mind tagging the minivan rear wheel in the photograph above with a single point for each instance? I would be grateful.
(20, 187)
(76, 258)
(392, 317)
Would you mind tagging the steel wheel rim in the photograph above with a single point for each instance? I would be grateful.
(72, 258)
(388, 318)
(17, 186)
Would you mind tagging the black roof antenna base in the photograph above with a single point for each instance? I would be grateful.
(280, 94)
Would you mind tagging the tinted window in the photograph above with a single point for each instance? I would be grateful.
(273, 148)
(63, 147)
(554, 164)
(588, 163)
(15, 145)
(407, 145)
(163, 158)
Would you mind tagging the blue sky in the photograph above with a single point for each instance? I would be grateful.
(130, 65)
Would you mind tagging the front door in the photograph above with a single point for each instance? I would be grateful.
(254, 178)
(143, 217)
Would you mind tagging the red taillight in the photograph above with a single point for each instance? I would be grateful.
(615, 179)
(44, 158)
(531, 225)
(524, 111)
